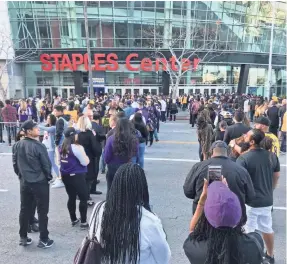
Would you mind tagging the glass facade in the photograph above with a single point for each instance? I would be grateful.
(244, 25)
(224, 26)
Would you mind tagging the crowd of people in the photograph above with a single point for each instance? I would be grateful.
(79, 137)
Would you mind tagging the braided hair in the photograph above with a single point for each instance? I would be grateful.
(120, 230)
(222, 243)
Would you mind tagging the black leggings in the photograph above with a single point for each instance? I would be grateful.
(112, 169)
(76, 185)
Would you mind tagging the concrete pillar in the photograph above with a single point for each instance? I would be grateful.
(243, 78)
(131, 5)
(188, 33)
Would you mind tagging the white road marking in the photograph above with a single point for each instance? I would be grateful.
(3, 190)
(183, 160)
(279, 208)
(153, 159)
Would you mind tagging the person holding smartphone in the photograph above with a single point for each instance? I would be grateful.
(239, 180)
(216, 236)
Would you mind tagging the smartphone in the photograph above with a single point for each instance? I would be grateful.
(214, 173)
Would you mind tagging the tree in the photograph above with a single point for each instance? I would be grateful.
(185, 42)
(8, 58)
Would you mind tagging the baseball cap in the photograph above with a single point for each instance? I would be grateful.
(28, 125)
(222, 207)
(218, 144)
(262, 120)
(70, 131)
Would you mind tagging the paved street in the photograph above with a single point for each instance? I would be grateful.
(167, 164)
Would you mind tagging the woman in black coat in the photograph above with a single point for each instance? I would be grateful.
(93, 149)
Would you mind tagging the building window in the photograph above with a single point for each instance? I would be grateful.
(65, 29)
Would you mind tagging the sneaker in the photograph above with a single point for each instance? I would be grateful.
(96, 192)
(33, 228)
(58, 183)
(74, 223)
(45, 243)
(268, 259)
(25, 241)
(84, 225)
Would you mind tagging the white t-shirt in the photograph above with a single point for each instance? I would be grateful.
(135, 105)
(246, 106)
(163, 105)
(154, 248)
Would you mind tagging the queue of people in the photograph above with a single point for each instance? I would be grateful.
(82, 137)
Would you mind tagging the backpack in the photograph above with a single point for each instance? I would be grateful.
(90, 249)
(66, 125)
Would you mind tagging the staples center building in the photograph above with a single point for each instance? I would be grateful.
(135, 44)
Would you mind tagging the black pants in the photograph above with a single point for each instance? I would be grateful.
(150, 138)
(167, 113)
(193, 119)
(162, 115)
(32, 218)
(41, 193)
(11, 131)
(252, 115)
(273, 130)
(112, 169)
(174, 117)
(200, 153)
(1, 133)
(76, 185)
(94, 181)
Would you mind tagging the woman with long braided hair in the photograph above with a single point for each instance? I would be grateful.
(127, 229)
(217, 236)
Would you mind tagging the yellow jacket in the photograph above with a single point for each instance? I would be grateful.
(284, 123)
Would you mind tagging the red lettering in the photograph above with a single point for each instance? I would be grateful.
(77, 59)
(56, 58)
(173, 66)
(159, 62)
(66, 63)
(112, 59)
(146, 64)
(98, 61)
(185, 64)
(128, 60)
(86, 61)
(195, 63)
(47, 65)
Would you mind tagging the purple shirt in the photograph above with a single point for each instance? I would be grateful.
(111, 158)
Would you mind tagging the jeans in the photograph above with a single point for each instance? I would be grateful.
(140, 157)
(283, 142)
(172, 115)
(162, 115)
(150, 137)
(94, 181)
(102, 162)
(55, 167)
(76, 185)
(155, 135)
(193, 119)
(112, 169)
(41, 193)
(11, 131)
(252, 115)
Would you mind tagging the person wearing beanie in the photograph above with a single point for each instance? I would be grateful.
(215, 232)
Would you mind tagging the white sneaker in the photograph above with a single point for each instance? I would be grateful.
(58, 183)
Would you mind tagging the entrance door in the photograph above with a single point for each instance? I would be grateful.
(146, 91)
(181, 91)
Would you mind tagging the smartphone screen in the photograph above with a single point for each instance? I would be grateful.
(214, 173)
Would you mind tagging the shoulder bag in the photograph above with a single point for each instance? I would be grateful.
(90, 249)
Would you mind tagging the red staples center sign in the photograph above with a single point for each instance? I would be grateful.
(103, 62)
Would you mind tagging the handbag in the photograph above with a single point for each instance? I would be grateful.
(90, 249)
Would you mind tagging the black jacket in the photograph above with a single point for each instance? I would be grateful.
(235, 131)
(238, 179)
(30, 161)
(273, 115)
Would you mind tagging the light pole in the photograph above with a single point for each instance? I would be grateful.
(91, 87)
(269, 79)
